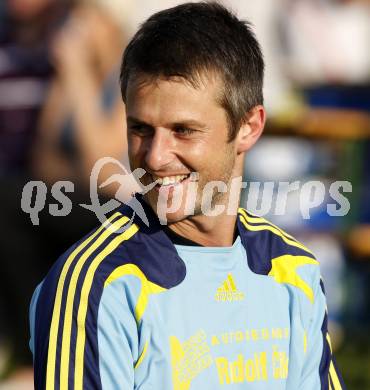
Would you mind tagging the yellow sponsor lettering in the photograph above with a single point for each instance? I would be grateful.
(222, 365)
(250, 370)
(225, 338)
(254, 334)
(265, 334)
(241, 369)
(276, 333)
(237, 370)
(261, 364)
(189, 359)
(280, 363)
(239, 336)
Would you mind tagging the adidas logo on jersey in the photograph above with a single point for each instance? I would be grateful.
(228, 291)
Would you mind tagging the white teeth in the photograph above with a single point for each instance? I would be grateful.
(168, 180)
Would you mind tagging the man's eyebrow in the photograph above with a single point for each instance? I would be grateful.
(189, 123)
(178, 123)
(137, 121)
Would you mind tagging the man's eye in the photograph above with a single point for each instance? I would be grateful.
(183, 130)
(141, 130)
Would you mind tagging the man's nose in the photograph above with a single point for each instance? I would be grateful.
(159, 150)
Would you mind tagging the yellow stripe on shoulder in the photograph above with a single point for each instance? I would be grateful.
(68, 317)
(54, 326)
(284, 236)
(147, 287)
(284, 270)
(83, 305)
(252, 218)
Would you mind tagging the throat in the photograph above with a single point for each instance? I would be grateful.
(214, 233)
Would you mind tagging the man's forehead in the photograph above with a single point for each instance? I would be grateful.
(159, 101)
(198, 81)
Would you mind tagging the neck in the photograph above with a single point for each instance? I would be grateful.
(207, 231)
(212, 230)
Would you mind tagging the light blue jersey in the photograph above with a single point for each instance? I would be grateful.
(137, 312)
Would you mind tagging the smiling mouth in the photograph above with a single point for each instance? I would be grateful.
(172, 181)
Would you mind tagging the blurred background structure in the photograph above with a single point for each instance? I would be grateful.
(60, 111)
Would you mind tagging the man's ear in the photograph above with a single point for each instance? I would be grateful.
(251, 129)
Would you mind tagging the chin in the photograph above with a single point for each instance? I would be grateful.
(170, 218)
(163, 209)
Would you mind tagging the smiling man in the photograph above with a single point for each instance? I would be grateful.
(211, 300)
(176, 129)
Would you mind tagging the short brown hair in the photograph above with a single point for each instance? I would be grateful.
(192, 39)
